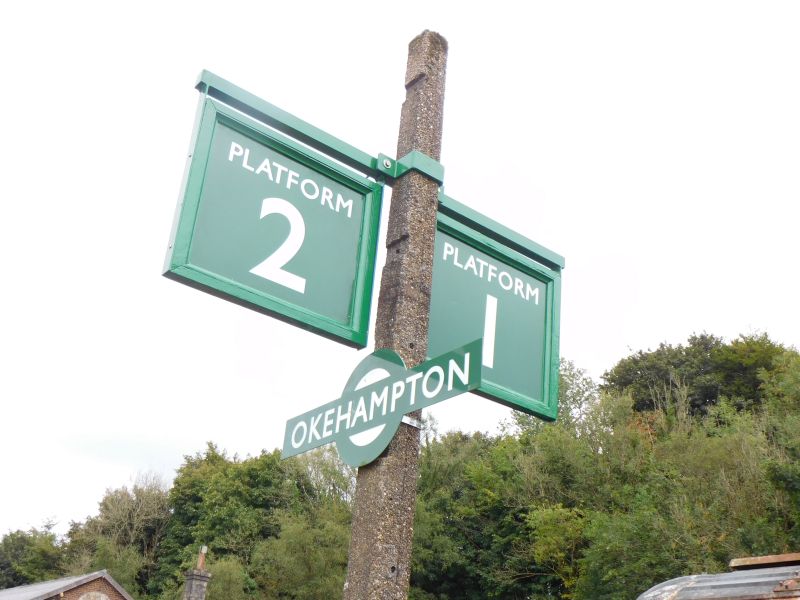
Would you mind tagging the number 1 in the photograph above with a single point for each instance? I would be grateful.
(489, 327)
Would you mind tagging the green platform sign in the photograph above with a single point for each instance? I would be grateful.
(274, 225)
(491, 283)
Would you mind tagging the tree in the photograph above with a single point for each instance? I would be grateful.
(739, 364)
(559, 535)
(29, 556)
(229, 580)
(308, 558)
(706, 367)
(577, 392)
(124, 536)
(470, 533)
(227, 504)
(649, 376)
(781, 389)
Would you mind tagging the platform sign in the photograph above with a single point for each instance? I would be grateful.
(271, 224)
(494, 284)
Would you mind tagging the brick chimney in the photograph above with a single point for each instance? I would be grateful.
(197, 579)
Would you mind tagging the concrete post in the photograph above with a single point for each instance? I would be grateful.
(383, 515)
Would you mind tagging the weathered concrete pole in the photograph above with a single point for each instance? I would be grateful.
(383, 516)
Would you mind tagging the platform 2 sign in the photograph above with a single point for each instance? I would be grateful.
(271, 224)
(491, 283)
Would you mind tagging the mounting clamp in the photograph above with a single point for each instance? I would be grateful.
(413, 161)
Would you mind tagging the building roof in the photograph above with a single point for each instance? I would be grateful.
(48, 589)
(753, 584)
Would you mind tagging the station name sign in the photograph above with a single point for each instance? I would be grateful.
(377, 395)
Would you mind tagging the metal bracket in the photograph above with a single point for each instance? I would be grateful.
(413, 161)
(411, 421)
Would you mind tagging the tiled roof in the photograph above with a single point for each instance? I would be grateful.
(47, 589)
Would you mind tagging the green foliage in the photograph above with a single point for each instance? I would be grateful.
(649, 376)
(308, 560)
(124, 563)
(29, 556)
(687, 458)
(124, 536)
(228, 505)
(611, 502)
(577, 392)
(706, 367)
(557, 535)
(627, 553)
(469, 538)
(781, 387)
(739, 366)
(229, 580)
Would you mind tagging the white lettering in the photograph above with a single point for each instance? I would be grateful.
(327, 424)
(455, 260)
(344, 416)
(281, 170)
(327, 195)
(236, 150)
(295, 442)
(312, 430)
(413, 380)
(398, 387)
(315, 187)
(484, 269)
(265, 168)
(378, 401)
(518, 287)
(341, 203)
(453, 369)
(449, 250)
(483, 265)
(531, 291)
(361, 411)
(309, 188)
(245, 159)
(471, 265)
(428, 393)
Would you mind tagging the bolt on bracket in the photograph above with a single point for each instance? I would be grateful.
(413, 161)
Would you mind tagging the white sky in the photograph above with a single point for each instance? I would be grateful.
(655, 145)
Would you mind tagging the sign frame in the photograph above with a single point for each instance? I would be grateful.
(264, 126)
(512, 249)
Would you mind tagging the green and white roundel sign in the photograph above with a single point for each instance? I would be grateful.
(378, 394)
(271, 224)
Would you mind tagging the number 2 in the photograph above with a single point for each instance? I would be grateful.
(271, 268)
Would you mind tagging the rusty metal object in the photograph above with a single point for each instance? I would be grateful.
(760, 562)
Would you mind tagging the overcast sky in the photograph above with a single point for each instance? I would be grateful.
(654, 145)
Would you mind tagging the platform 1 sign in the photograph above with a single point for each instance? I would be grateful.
(269, 223)
(491, 283)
